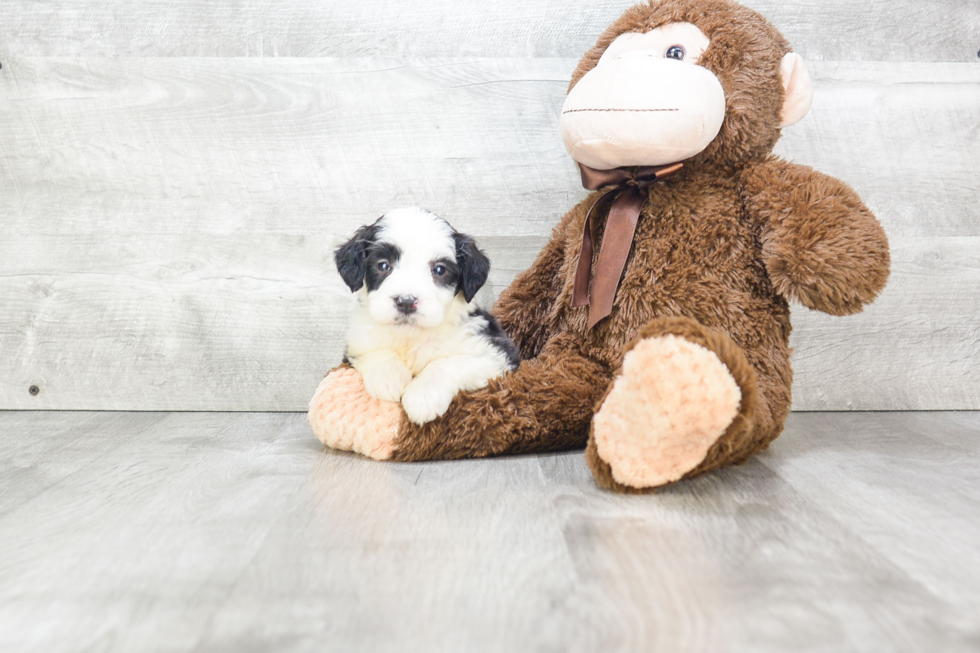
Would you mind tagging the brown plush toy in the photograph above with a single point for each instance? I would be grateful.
(654, 325)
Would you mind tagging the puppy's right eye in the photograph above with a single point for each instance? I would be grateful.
(383, 266)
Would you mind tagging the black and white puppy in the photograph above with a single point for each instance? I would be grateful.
(416, 335)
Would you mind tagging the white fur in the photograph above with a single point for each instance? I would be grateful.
(426, 359)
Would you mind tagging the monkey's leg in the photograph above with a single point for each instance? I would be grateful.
(544, 405)
(686, 401)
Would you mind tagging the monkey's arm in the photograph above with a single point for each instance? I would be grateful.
(524, 309)
(821, 245)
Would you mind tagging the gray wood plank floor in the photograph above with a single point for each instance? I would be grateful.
(239, 532)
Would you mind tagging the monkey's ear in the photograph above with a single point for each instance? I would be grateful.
(798, 89)
(351, 257)
(474, 266)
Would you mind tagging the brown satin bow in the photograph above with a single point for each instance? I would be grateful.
(617, 239)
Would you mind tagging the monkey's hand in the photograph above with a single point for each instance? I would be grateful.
(821, 245)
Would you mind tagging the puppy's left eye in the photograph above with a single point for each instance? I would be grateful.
(675, 52)
(439, 270)
(383, 266)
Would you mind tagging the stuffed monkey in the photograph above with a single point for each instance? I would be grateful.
(654, 325)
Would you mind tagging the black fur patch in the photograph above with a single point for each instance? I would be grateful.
(496, 335)
(377, 253)
(351, 257)
(450, 278)
(474, 266)
(357, 259)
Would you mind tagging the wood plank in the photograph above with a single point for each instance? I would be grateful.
(239, 532)
(41, 449)
(959, 429)
(515, 565)
(169, 223)
(237, 323)
(915, 348)
(881, 479)
(873, 124)
(174, 322)
(298, 146)
(135, 549)
(893, 30)
(311, 146)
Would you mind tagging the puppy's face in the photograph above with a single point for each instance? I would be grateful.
(410, 266)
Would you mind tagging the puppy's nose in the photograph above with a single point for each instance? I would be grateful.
(407, 304)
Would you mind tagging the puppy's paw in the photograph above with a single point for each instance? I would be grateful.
(387, 382)
(425, 400)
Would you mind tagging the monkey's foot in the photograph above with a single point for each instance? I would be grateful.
(672, 401)
(344, 416)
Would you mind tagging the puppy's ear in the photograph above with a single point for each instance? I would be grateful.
(474, 266)
(351, 257)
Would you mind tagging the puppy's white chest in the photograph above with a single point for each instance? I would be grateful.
(419, 353)
(416, 348)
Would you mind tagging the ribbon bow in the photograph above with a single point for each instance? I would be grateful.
(627, 184)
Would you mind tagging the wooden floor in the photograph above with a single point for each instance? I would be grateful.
(238, 532)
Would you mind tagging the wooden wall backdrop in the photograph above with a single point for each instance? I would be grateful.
(175, 175)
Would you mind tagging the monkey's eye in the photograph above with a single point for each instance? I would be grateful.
(383, 266)
(439, 270)
(675, 52)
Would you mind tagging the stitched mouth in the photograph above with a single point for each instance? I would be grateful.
(629, 110)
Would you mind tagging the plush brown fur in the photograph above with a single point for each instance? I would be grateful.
(719, 249)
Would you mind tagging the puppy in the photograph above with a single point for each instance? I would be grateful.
(416, 335)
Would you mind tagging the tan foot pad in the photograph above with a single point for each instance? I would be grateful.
(344, 416)
(671, 402)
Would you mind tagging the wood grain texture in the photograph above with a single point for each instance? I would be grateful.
(886, 30)
(238, 532)
(169, 222)
(185, 323)
(916, 346)
(313, 146)
(892, 469)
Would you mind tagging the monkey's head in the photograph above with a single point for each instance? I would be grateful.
(700, 81)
